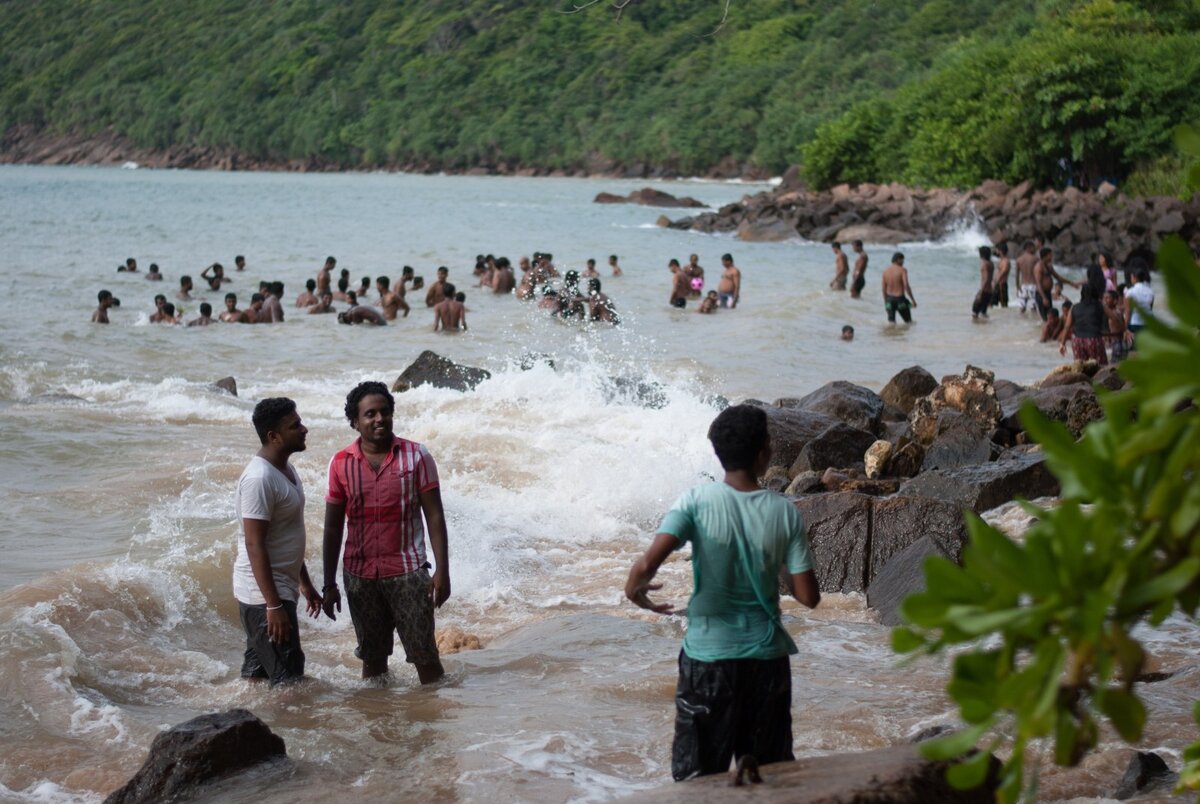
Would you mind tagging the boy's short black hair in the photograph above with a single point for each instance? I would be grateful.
(268, 413)
(362, 391)
(738, 435)
(205, 308)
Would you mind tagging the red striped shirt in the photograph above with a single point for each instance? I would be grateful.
(385, 532)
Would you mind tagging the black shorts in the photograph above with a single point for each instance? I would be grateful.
(380, 607)
(1043, 307)
(856, 287)
(679, 302)
(727, 709)
(280, 663)
(897, 304)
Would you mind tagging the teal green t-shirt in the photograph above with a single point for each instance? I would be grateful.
(740, 540)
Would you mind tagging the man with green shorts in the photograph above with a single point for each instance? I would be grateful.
(734, 693)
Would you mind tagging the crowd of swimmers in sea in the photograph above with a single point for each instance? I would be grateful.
(1102, 323)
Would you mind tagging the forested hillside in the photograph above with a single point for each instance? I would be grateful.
(936, 92)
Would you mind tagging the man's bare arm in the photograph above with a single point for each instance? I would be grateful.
(804, 588)
(331, 549)
(641, 574)
(435, 521)
(260, 564)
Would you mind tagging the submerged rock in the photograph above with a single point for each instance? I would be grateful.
(431, 368)
(227, 384)
(1147, 773)
(198, 751)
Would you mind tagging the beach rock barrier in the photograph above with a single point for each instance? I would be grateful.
(1147, 774)
(898, 775)
(649, 197)
(1075, 224)
(199, 751)
(431, 368)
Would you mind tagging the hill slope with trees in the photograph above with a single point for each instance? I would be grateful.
(934, 92)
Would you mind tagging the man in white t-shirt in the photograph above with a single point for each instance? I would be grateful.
(1141, 294)
(269, 573)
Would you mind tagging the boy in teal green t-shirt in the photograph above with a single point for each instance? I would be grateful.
(734, 692)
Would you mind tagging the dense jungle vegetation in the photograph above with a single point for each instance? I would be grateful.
(933, 92)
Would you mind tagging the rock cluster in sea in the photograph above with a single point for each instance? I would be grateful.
(1075, 224)
(883, 480)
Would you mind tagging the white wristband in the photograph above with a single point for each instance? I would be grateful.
(275, 608)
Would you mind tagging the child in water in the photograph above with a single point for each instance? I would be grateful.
(709, 303)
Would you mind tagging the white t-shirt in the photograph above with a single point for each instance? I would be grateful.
(263, 492)
(1143, 294)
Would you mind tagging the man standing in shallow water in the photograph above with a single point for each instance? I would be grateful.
(380, 486)
(269, 573)
(734, 692)
(897, 294)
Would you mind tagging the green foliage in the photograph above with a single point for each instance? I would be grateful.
(1096, 84)
(1049, 618)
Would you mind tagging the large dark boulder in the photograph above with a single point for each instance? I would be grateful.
(902, 575)
(226, 384)
(791, 429)
(1147, 773)
(1019, 472)
(907, 387)
(1074, 405)
(959, 442)
(900, 521)
(198, 751)
(431, 368)
(848, 403)
(840, 446)
(838, 528)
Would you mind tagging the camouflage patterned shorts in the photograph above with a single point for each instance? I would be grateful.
(381, 606)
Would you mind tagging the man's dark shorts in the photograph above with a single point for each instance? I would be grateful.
(380, 607)
(280, 663)
(897, 304)
(728, 709)
(679, 302)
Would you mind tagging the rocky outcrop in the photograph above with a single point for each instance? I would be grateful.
(649, 197)
(902, 575)
(959, 441)
(1020, 472)
(897, 775)
(199, 751)
(431, 368)
(1073, 223)
(226, 384)
(452, 639)
(853, 535)
(852, 404)
(1146, 774)
(909, 385)
(839, 446)
(791, 430)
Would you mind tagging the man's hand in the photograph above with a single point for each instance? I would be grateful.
(312, 598)
(332, 599)
(278, 627)
(439, 588)
(640, 596)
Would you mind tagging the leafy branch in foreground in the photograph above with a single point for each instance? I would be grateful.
(1049, 619)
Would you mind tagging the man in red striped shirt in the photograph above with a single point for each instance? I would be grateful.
(380, 486)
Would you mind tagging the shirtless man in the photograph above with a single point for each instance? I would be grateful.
(612, 261)
(695, 276)
(681, 285)
(437, 292)
(343, 289)
(1116, 325)
(987, 272)
(105, 299)
(323, 305)
(308, 298)
(389, 302)
(841, 267)
(1000, 286)
(185, 289)
(131, 265)
(897, 294)
(859, 279)
(232, 314)
(449, 315)
(600, 307)
(254, 313)
(325, 276)
(549, 301)
(154, 275)
(168, 314)
(709, 304)
(364, 288)
(590, 271)
(502, 277)
(1053, 326)
(362, 314)
(401, 290)
(214, 275)
(160, 303)
(239, 262)
(1045, 276)
(205, 316)
(729, 289)
(272, 306)
(525, 289)
(1025, 282)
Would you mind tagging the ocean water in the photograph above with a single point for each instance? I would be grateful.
(118, 459)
